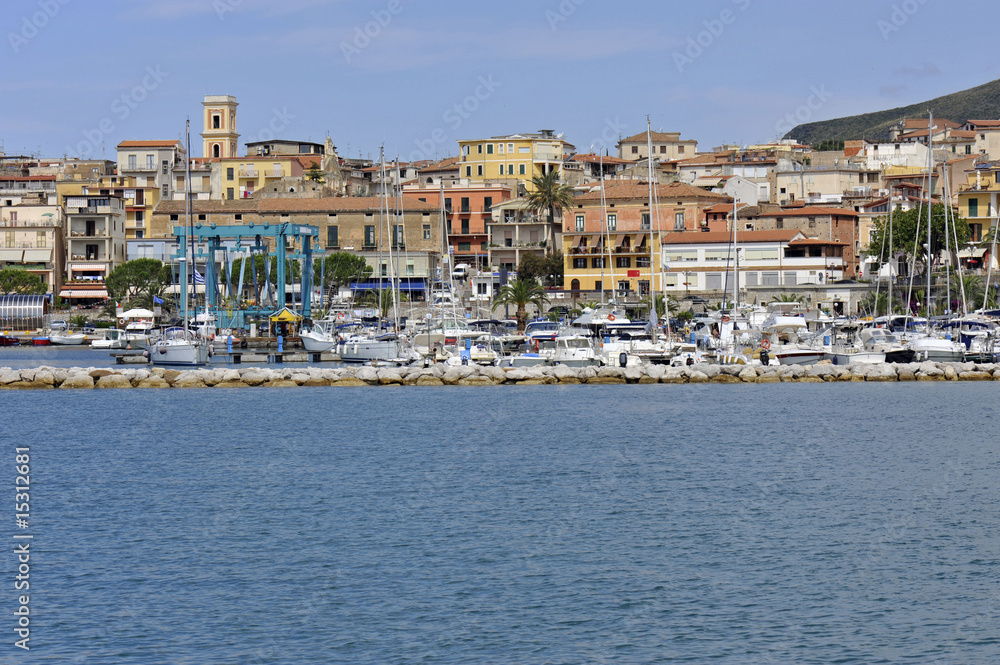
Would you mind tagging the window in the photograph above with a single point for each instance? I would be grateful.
(579, 222)
(644, 224)
(510, 148)
(465, 246)
(398, 235)
(201, 218)
(229, 193)
(623, 262)
(229, 173)
(238, 217)
(968, 150)
(427, 231)
(635, 150)
(468, 171)
(580, 264)
(483, 246)
(597, 262)
(973, 207)
(789, 279)
(663, 149)
(520, 169)
(713, 281)
(384, 270)
(465, 204)
(332, 236)
(448, 223)
(488, 203)
(679, 221)
(643, 287)
(624, 285)
(597, 285)
(612, 222)
(165, 191)
(131, 162)
(13, 215)
(369, 235)
(479, 169)
(9, 240)
(465, 226)
(216, 121)
(447, 205)
(752, 278)
(140, 216)
(779, 223)
(642, 262)
(479, 148)
(489, 148)
(163, 166)
(151, 162)
(680, 150)
(410, 267)
(180, 182)
(769, 279)
(812, 222)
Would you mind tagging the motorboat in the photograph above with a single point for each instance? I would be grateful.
(785, 337)
(7, 339)
(571, 350)
(113, 338)
(368, 347)
(886, 342)
(177, 346)
(66, 337)
(321, 336)
(938, 349)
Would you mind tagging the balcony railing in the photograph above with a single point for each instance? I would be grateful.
(139, 167)
(248, 173)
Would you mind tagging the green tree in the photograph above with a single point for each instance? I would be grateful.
(314, 173)
(549, 194)
(789, 297)
(905, 229)
(532, 266)
(663, 304)
(521, 293)
(829, 144)
(21, 282)
(340, 268)
(138, 278)
(555, 269)
(381, 299)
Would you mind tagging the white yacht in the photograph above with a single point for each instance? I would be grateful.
(321, 337)
(177, 346)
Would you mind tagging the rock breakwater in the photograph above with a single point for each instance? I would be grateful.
(440, 375)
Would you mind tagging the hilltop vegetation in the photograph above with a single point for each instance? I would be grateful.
(981, 102)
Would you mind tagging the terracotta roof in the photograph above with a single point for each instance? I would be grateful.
(280, 205)
(657, 136)
(447, 164)
(675, 190)
(962, 134)
(591, 158)
(915, 123)
(810, 211)
(150, 144)
(726, 207)
(984, 123)
(723, 237)
(817, 241)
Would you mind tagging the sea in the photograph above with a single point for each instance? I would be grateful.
(772, 523)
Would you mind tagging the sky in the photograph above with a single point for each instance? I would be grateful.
(416, 76)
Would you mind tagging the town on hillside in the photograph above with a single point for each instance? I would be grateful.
(662, 214)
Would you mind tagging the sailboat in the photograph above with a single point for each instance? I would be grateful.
(181, 346)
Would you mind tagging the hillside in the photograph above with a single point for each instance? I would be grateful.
(980, 103)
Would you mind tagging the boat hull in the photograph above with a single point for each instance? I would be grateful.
(862, 357)
(314, 343)
(176, 354)
(67, 340)
(361, 351)
(797, 357)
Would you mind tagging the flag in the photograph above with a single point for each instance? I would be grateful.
(198, 279)
(157, 300)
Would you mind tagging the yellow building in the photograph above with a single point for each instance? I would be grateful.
(219, 138)
(513, 159)
(240, 177)
(977, 200)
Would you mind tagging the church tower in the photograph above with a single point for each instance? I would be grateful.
(220, 138)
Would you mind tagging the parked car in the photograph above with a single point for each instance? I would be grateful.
(461, 271)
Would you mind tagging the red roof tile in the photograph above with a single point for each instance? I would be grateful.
(150, 144)
(810, 211)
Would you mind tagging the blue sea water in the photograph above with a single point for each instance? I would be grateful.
(783, 523)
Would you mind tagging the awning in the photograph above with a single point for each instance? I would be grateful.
(88, 266)
(37, 255)
(14, 255)
(966, 253)
(83, 293)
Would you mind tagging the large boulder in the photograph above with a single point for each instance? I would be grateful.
(387, 376)
(153, 381)
(748, 374)
(975, 376)
(695, 376)
(881, 372)
(113, 381)
(710, 371)
(78, 380)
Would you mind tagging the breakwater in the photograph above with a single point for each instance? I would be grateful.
(439, 375)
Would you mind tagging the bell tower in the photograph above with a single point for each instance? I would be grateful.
(219, 139)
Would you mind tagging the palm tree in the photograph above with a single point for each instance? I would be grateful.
(789, 297)
(549, 194)
(664, 305)
(521, 293)
(381, 299)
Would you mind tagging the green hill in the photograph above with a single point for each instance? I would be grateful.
(979, 103)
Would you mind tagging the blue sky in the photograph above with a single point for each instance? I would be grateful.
(416, 75)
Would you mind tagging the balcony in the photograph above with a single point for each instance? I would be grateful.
(138, 168)
(249, 173)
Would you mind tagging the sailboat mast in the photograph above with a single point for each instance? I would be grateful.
(604, 223)
(736, 262)
(652, 208)
(187, 213)
(930, 197)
